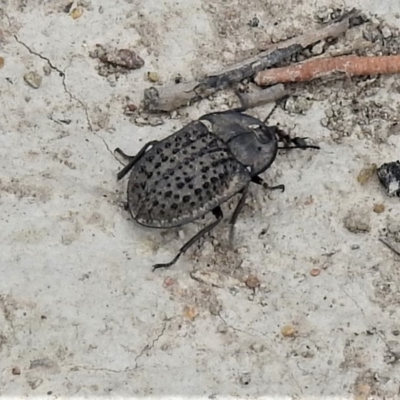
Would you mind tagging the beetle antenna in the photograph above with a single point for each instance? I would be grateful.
(277, 103)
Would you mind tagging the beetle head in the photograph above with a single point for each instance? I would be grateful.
(253, 143)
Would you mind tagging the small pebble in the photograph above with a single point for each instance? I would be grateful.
(386, 32)
(324, 122)
(396, 332)
(363, 391)
(309, 201)
(68, 7)
(214, 278)
(254, 22)
(155, 121)
(222, 328)
(164, 346)
(323, 14)
(33, 79)
(366, 174)
(252, 282)
(130, 109)
(153, 77)
(355, 246)
(47, 70)
(163, 316)
(264, 302)
(123, 58)
(315, 272)
(297, 105)
(394, 226)
(16, 371)
(1, 62)
(76, 13)
(357, 220)
(190, 313)
(245, 379)
(215, 307)
(318, 48)
(151, 120)
(329, 113)
(379, 208)
(288, 331)
(140, 121)
(168, 281)
(34, 384)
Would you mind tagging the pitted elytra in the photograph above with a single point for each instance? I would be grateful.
(193, 171)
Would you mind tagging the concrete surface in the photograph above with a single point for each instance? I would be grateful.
(81, 312)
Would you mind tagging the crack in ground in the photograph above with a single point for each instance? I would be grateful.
(355, 302)
(233, 328)
(131, 369)
(114, 371)
(62, 74)
(150, 346)
(72, 97)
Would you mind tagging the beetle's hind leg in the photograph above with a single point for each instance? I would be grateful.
(292, 143)
(124, 155)
(218, 214)
(132, 160)
(236, 213)
(255, 179)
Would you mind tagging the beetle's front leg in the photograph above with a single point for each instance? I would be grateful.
(292, 143)
(257, 180)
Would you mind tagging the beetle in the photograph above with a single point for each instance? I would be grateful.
(389, 176)
(193, 171)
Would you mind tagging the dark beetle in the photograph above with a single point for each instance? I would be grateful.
(389, 176)
(193, 171)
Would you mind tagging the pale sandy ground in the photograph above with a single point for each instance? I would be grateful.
(81, 312)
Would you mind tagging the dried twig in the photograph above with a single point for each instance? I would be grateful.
(334, 29)
(172, 97)
(257, 97)
(351, 48)
(313, 69)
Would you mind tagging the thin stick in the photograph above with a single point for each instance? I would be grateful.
(258, 97)
(313, 69)
(171, 97)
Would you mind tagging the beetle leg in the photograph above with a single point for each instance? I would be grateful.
(295, 143)
(132, 159)
(218, 214)
(296, 146)
(123, 155)
(236, 213)
(256, 179)
(239, 206)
